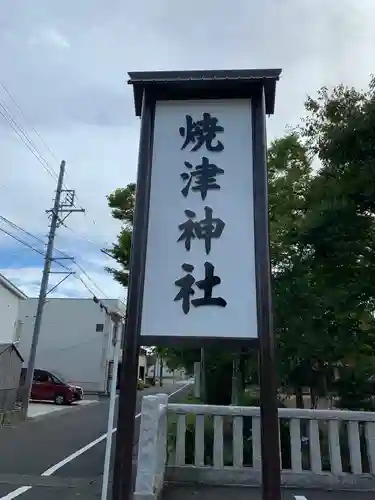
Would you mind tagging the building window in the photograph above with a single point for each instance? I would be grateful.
(100, 327)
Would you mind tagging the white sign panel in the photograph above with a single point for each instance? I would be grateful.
(200, 271)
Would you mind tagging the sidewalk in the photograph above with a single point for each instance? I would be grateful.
(245, 493)
(41, 409)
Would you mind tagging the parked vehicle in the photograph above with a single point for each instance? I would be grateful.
(49, 386)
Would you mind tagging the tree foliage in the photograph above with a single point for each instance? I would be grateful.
(122, 202)
(339, 227)
(325, 297)
(321, 238)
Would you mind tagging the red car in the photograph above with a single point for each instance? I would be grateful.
(48, 386)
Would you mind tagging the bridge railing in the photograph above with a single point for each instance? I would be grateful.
(221, 445)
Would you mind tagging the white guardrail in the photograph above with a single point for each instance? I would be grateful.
(221, 445)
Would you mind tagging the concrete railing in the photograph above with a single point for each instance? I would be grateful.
(221, 445)
(152, 449)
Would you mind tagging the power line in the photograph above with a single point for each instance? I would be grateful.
(84, 238)
(16, 226)
(19, 228)
(33, 128)
(27, 121)
(85, 285)
(21, 241)
(20, 128)
(27, 244)
(32, 248)
(91, 280)
(61, 265)
(26, 138)
(29, 143)
(18, 131)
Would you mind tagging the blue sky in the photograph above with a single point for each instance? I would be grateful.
(66, 65)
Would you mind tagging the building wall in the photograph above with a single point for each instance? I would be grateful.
(9, 310)
(10, 371)
(69, 343)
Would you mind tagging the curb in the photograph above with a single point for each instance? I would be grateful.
(58, 413)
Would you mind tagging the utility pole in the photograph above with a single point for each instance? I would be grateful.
(58, 207)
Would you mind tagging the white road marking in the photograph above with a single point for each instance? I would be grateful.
(70, 458)
(16, 493)
(297, 497)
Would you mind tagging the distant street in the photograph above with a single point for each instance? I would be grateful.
(60, 456)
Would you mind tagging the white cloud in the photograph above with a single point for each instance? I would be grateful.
(80, 104)
(50, 36)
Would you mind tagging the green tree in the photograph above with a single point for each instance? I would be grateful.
(290, 176)
(289, 173)
(323, 283)
(339, 227)
(322, 241)
(122, 202)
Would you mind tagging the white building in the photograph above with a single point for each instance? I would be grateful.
(75, 339)
(10, 300)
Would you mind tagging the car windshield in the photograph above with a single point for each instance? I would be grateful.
(59, 377)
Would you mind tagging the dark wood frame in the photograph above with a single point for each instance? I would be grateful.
(271, 475)
(259, 86)
(123, 468)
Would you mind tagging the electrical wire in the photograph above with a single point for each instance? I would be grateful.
(79, 278)
(91, 280)
(27, 121)
(10, 118)
(21, 241)
(34, 130)
(16, 226)
(85, 285)
(32, 248)
(31, 146)
(39, 240)
(30, 124)
(19, 228)
(84, 238)
(26, 140)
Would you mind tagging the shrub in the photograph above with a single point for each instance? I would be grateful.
(353, 392)
(250, 399)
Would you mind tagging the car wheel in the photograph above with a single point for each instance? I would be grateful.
(60, 399)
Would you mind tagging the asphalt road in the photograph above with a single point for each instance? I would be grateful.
(59, 457)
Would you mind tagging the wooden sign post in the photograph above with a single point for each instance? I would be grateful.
(200, 270)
